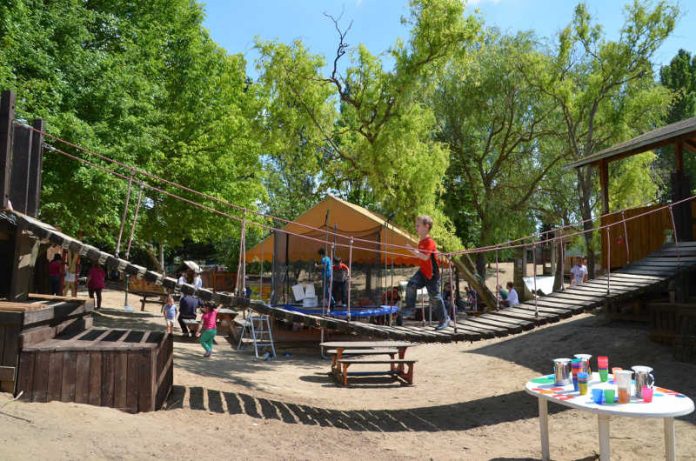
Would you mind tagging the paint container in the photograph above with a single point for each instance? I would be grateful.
(561, 372)
(582, 382)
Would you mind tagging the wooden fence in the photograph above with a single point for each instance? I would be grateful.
(638, 237)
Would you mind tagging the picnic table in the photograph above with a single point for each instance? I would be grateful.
(666, 404)
(347, 353)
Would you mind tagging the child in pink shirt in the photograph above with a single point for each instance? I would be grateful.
(209, 328)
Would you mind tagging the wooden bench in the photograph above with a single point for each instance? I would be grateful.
(396, 369)
(337, 354)
(159, 298)
(192, 324)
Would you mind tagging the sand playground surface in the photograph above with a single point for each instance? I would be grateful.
(467, 403)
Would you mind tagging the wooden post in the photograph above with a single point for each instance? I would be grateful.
(604, 184)
(21, 168)
(35, 175)
(679, 157)
(7, 114)
(26, 250)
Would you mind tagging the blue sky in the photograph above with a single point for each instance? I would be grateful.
(234, 24)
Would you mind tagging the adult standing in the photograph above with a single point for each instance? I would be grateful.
(340, 281)
(56, 270)
(96, 281)
(188, 308)
(198, 281)
(72, 272)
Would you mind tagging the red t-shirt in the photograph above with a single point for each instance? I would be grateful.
(427, 246)
(55, 268)
(96, 278)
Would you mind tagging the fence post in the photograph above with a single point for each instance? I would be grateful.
(608, 261)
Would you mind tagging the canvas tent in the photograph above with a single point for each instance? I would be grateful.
(293, 249)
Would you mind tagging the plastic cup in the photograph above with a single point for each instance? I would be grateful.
(582, 383)
(602, 361)
(597, 396)
(604, 375)
(614, 370)
(647, 393)
(609, 395)
(576, 367)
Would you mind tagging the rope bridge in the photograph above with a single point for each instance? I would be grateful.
(629, 282)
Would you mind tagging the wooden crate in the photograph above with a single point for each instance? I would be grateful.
(125, 369)
(38, 319)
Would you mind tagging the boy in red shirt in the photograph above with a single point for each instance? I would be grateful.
(429, 273)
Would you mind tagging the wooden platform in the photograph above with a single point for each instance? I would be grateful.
(125, 369)
(628, 283)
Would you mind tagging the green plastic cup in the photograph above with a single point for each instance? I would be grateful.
(609, 395)
(604, 374)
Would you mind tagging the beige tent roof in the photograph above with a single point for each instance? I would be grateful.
(348, 220)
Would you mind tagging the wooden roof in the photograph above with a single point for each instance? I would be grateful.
(684, 130)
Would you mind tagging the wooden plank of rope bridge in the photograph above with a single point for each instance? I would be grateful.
(545, 316)
(505, 314)
(506, 322)
(664, 259)
(559, 303)
(562, 313)
(497, 330)
(567, 303)
(484, 332)
(511, 328)
(623, 275)
(595, 287)
(526, 324)
(574, 295)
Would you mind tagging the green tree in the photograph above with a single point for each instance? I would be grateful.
(605, 88)
(491, 119)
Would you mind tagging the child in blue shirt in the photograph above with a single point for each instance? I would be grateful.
(326, 270)
(169, 311)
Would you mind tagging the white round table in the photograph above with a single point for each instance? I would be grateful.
(666, 404)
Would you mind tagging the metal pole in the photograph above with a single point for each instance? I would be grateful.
(628, 252)
(350, 274)
(536, 308)
(453, 298)
(608, 260)
(497, 281)
(562, 264)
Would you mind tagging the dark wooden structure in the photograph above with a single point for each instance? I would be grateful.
(125, 369)
(31, 322)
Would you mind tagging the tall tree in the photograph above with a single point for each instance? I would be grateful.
(605, 88)
(491, 119)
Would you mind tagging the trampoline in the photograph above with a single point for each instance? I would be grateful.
(342, 313)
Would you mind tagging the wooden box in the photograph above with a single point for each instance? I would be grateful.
(125, 369)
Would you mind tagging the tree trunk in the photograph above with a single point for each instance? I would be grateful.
(481, 265)
(585, 193)
(467, 269)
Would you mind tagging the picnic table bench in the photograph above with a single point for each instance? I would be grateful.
(147, 297)
(347, 354)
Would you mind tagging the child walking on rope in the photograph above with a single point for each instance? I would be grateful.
(209, 326)
(428, 275)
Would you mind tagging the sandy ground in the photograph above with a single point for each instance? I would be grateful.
(467, 403)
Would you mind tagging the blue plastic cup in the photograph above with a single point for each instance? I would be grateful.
(598, 396)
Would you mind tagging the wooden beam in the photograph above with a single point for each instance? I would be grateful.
(679, 157)
(21, 168)
(690, 144)
(604, 184)
(7, 114)
(35, 178)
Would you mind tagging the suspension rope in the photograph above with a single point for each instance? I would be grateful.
(124, 216)
(241, 265)
(674, 231)
(135, 221)
(608, 261)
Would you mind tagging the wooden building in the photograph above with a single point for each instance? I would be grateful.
(644, 230)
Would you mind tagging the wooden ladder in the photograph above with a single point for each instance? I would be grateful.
(257, 328)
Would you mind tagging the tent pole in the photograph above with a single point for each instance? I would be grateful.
(350, 275)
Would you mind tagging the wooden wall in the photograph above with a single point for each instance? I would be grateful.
(128, 370)
(644, 234)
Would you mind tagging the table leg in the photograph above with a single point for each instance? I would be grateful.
(544, 428)
(604, 449)
(670, 440)
(402, 355)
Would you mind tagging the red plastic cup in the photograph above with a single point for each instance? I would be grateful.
(602, 361)
(647, 394)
